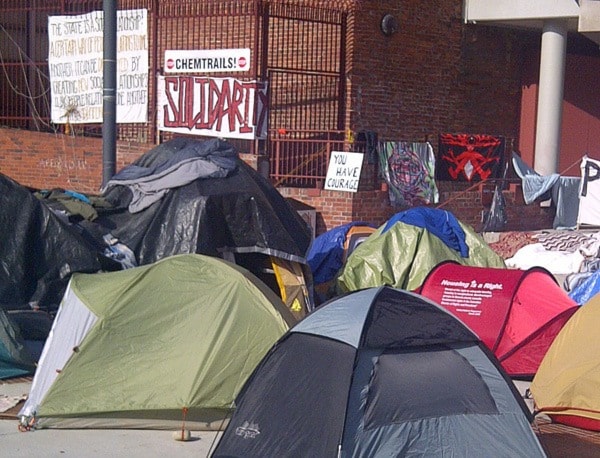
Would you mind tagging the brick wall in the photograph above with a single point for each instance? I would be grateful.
(471, 203)
(46, 161)
(434, 75)
(469, 206)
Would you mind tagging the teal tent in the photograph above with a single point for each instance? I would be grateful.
(15, 359)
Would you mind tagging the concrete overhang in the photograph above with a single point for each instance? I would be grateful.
(581, 16)
(589, 19)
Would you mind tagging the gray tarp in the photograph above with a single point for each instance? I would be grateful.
(209, 159)
(564, 192)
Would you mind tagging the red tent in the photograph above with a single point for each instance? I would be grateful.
(516, 313)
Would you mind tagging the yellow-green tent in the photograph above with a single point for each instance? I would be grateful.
(402, 254)
(156, 347)
(567, 384)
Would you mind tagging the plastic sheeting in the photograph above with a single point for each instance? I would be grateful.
(404, 255)
(239, 213)
(188, 160)
(586, 289)
(326, 254)
(39, 250)
(440, 223)
(223, 207)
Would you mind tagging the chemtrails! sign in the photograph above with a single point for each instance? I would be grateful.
(75, 59)
(207, 61)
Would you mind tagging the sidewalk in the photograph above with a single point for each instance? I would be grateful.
(560, 441)
(94, 443)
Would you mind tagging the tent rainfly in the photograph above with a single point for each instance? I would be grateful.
(516, 313)
(566, 384)
(379, 372)
(154, 346)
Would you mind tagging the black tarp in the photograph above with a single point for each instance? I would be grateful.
(39, 250)
(239, 213)
(46, 237)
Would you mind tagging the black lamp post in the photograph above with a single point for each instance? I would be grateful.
(109, 92)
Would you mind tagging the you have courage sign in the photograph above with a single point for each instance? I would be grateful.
(343, 173)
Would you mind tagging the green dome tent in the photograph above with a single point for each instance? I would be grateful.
(154, 346)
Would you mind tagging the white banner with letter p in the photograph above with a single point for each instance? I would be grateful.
(589, 193)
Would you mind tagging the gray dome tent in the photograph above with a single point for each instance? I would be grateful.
(379, 372)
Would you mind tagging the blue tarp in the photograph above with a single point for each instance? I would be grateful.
(326, 253)
(588, 288)
(440, 223)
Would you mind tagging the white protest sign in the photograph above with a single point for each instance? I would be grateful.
(216, 107)
(343, 173)
(589, 192)
(75, 61)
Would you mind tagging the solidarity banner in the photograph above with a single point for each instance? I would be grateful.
(217, 107)
(75, 63)
(465, 157)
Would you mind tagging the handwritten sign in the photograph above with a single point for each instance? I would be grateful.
(75, 61)
(343, 173)
(217, 107)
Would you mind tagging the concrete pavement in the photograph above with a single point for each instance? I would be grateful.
(105, 443)
(100, 443)
(95, 443)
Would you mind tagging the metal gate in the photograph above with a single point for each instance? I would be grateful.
(299, 49)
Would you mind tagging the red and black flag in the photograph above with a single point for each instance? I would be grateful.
(469, 157)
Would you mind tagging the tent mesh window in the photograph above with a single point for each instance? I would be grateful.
(413, 385)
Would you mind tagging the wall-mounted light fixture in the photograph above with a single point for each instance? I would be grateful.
(389, 25)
